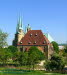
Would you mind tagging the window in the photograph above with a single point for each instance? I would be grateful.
(25, 49)
(45, 48)
(21, 49)
(30, 34)
(36, 34)
(44, 42)
(29, 42)
(35, 42)
(20, 42)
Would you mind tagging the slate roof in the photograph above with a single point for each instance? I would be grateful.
(34, 37)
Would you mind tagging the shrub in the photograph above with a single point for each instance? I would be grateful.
(55, 63)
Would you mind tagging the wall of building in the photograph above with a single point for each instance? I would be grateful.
(50, 51)
(44, 49)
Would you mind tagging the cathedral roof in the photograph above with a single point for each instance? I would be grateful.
(34, 37)
(49, 37)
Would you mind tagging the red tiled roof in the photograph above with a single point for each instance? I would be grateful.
(34, 37)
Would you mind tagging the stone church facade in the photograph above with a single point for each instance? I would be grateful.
(24, 40)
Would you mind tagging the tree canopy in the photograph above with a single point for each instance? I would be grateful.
(22, 58)
(65, 49)
(4, 55)
(13, 50)
(55, 46)
(3, 39)
(34, 55)
(56, 63)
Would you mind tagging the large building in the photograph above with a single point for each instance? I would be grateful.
(24, 40)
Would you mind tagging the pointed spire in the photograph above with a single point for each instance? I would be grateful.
(19, 25)
(25, 29)
(28, 28)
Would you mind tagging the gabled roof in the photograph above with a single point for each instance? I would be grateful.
(34, 37)
(49, 37)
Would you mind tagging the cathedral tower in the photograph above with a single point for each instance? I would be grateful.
(19, 32)
(28, 28)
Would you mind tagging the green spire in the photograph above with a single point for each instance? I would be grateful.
(25, 29)
(28, 26)
(19, 25)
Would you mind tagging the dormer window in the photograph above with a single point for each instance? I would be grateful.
(30, 34)
(20, 42)
(35, 42)
(44, 42)
(29, 42)
(36, 34)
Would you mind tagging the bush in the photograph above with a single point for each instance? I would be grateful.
(55, 46)
(55, 63)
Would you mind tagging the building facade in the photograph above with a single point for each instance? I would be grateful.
(24, 40)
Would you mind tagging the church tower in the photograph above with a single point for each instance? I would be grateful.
(19, 32)
(28, 28)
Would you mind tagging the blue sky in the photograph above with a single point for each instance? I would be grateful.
(47, 15)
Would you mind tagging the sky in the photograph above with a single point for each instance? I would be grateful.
(50, 16)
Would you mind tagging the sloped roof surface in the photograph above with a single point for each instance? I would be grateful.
(49, 37)
(34, 37)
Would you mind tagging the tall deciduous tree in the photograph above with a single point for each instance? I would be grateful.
(3, 39)
(34, 55)
(55, 46)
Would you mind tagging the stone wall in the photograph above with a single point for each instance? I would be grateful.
(45, 49)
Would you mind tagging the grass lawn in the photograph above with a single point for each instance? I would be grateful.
(28, 73)
(14, 71)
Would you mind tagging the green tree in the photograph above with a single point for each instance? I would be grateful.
(34, 55)
(65, 49)
(4, 55)
(13, 50)
(55, 46)
(65, 54)
(3, 39)
(56, 63)
(22, 58)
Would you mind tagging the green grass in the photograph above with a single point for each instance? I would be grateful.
(21, 72)
(14, 71)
